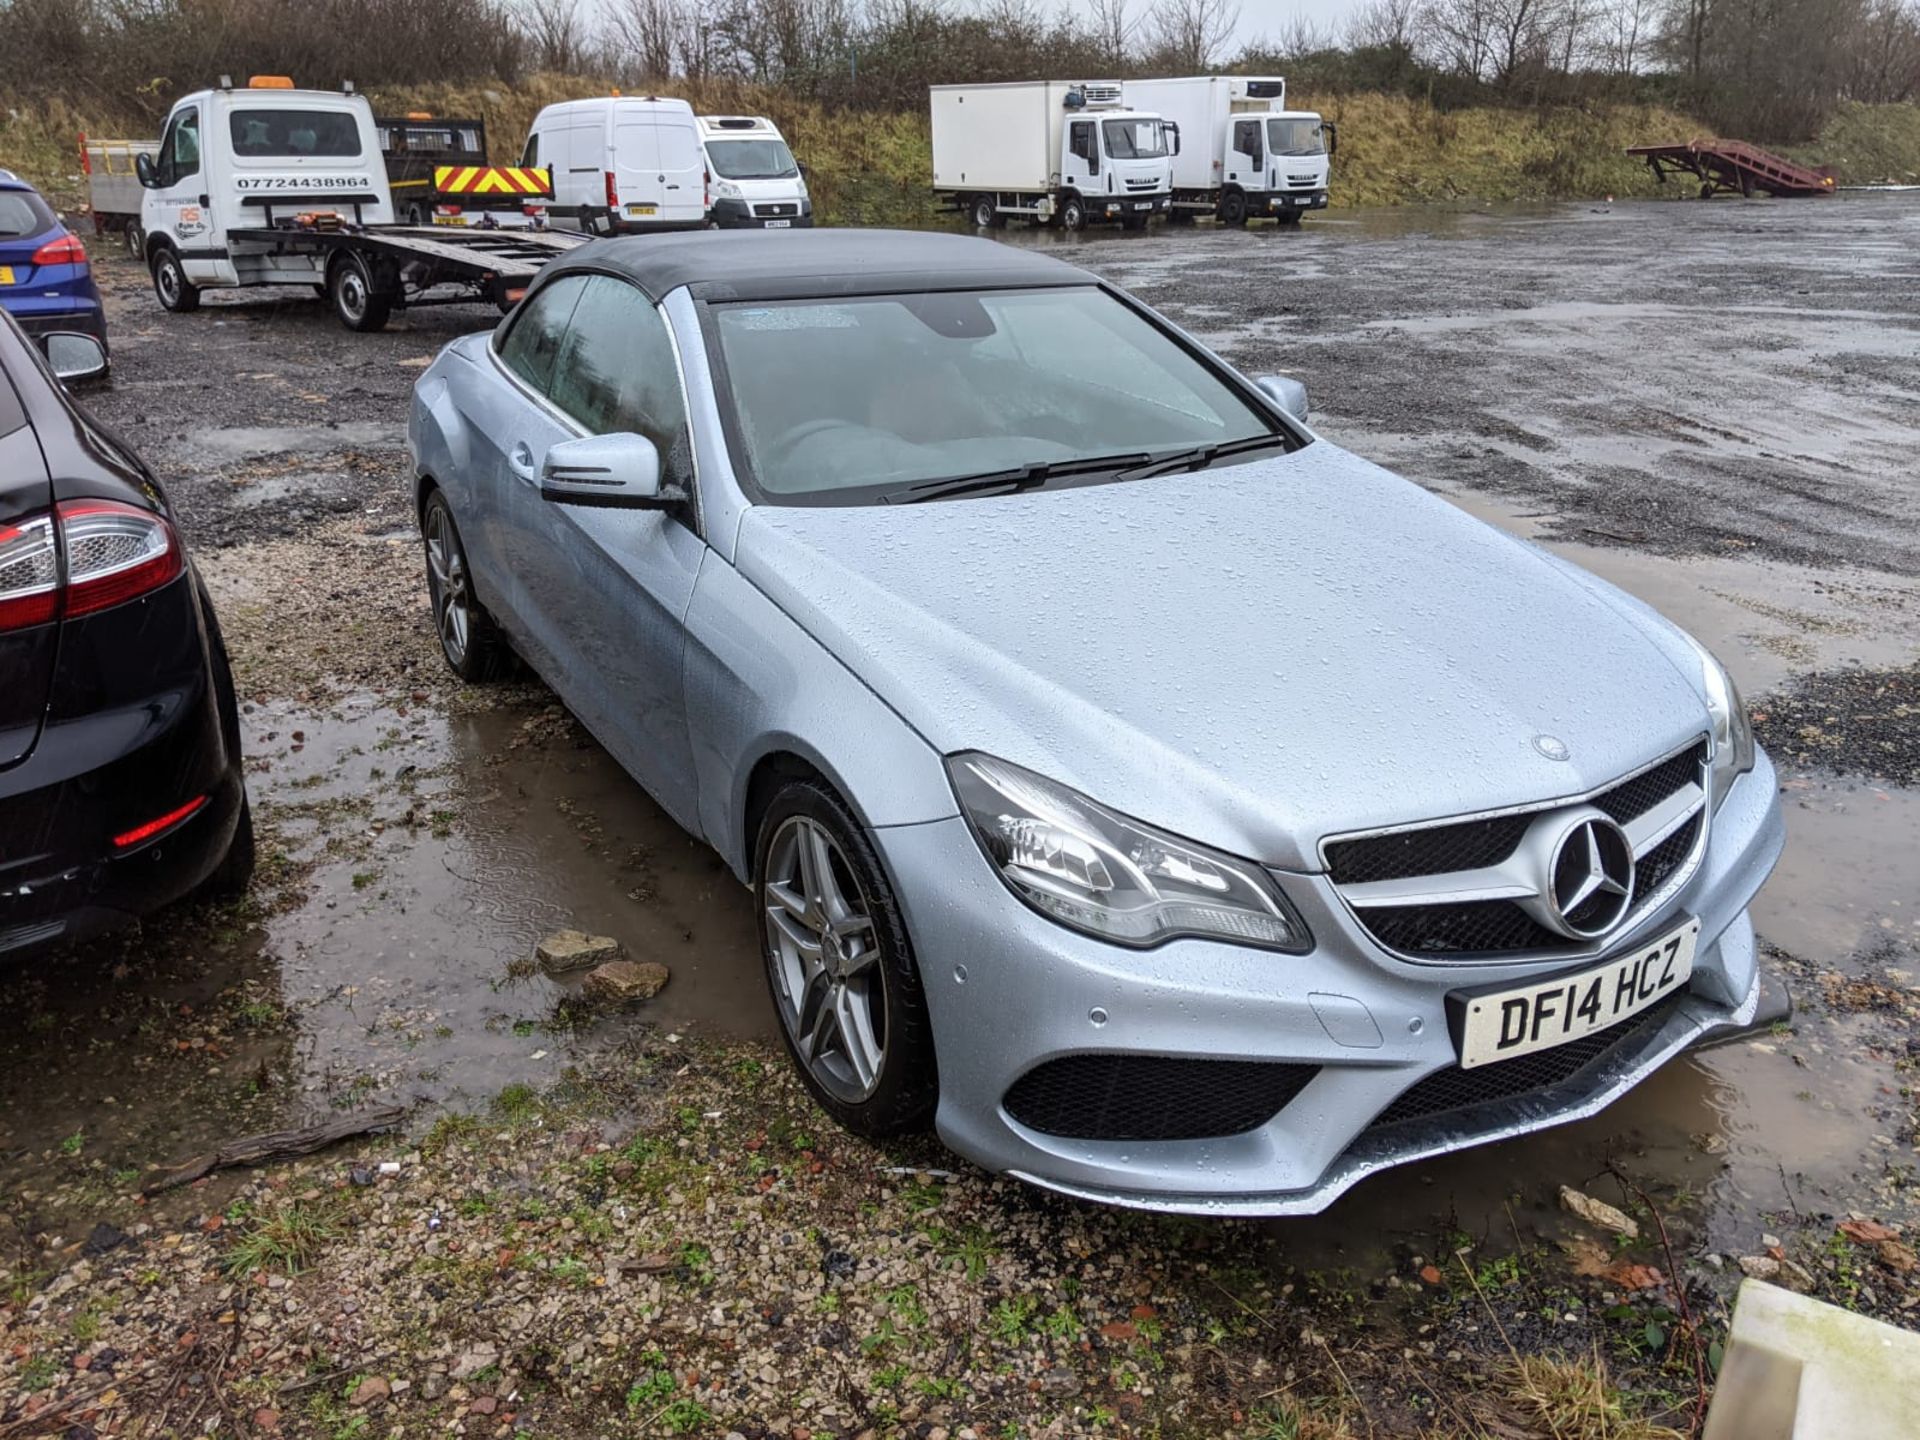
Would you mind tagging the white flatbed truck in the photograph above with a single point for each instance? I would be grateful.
(1245, 156)
(271, 185)
(1052, 151)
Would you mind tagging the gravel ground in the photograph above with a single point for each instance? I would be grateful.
(636, 1224)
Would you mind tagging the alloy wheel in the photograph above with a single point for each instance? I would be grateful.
(452, 597)
(824, 950)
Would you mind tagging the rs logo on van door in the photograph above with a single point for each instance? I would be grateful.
(300, 182)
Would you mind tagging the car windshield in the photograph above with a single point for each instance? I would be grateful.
(23, 213)
(286, 134)
(1296, 137)
(851, 401)
(1135, 139)
(752, 159)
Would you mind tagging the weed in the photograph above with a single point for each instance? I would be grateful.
(938, 1387)
(1012, 1319)
(970, 1244)
(654, 1387)
(685, 1415)
(890, 1377)
(288, 1239)
(71, 1145)
(1062, 1324)
(516, 1104)
(39, 1372)
(697, 1262)
(1577, 1400)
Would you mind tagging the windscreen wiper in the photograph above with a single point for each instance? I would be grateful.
(1012, 480)
(1201, 456)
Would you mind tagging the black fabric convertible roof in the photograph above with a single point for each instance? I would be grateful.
(763, 265)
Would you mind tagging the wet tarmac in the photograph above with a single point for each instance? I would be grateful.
(1712, 406)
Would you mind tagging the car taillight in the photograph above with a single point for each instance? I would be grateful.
(29, 574)
(88, 556)
(67, 250)
(613, 192)
(446, 209)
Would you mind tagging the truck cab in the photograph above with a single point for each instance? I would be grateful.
(1116, 159)
(236, 158)
(1278, 162)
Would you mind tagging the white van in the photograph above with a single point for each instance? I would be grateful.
(756, 180)
(621, 164)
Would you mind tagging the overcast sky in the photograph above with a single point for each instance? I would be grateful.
(1270, 17)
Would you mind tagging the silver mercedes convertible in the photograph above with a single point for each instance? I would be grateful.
(1168, 806)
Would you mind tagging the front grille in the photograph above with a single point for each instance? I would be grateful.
(776, 211)
(1448, 1091)
(1501, 927)
(1149, 1097)
(1142, 184)
(1433, 851)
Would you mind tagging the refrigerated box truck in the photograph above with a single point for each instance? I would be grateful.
(1061, 151)
(1244, 155)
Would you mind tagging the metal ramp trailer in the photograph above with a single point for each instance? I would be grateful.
(1734, 167)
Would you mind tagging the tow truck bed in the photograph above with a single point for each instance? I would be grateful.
(403, 262)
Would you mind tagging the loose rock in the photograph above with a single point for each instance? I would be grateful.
(621, 982)
(1598, 1213)
(565, 951)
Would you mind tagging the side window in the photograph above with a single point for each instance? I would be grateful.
(1246, 138)
(1080, 142)
(531, 159)
(180, 151)
(617, 373)
(532, 344)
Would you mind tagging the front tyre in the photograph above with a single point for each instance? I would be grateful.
(840, 967)
(475, 649)
(1233, 208)
(1073, 213)
(177, 294)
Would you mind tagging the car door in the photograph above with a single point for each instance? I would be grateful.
(606, 591)
(503, 410)
(184, 202)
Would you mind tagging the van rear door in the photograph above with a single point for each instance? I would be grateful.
(683, 167)
(636, 162)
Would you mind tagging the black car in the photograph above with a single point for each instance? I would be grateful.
(120, 781)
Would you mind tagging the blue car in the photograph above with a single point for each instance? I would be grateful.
(45, 281)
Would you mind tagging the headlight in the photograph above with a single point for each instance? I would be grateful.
(1085, 866)
(1732, 729)
(726, 189)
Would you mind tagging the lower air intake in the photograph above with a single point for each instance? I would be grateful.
(1148, 1097)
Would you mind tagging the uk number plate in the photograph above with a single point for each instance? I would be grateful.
(1546, 1013)
(779, 224)
(6, 275)
(1143, 204)
(640, 209)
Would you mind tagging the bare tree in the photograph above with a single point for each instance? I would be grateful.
(555, 33)
(1191, 34)
(1113, 32)
(647, 34)
(1627, 31)
(1386, 24)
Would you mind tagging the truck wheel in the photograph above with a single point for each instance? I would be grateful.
(135, 239)
(986, 216)
(1073, 213)
(176, 293)
(1233, 208)
(414, 217)
(1290, 219)
(356, 300)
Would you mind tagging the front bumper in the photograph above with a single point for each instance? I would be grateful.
(1009, 990)
(1123, 207)
(1285, 202)
(741, 215)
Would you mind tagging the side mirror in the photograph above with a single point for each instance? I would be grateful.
(1174, 135)
(74, 358)
(1333, 135)
(620, 472)
(1286, 392)
(143, 170)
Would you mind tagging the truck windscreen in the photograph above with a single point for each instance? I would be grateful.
(1296, 137)
(1135, 139)
(751, 159)
(284, 134)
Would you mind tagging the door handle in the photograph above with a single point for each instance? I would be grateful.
(205, 201)
(520, 460)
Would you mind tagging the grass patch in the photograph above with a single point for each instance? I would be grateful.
(288, 1239)
(1576, 1399)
